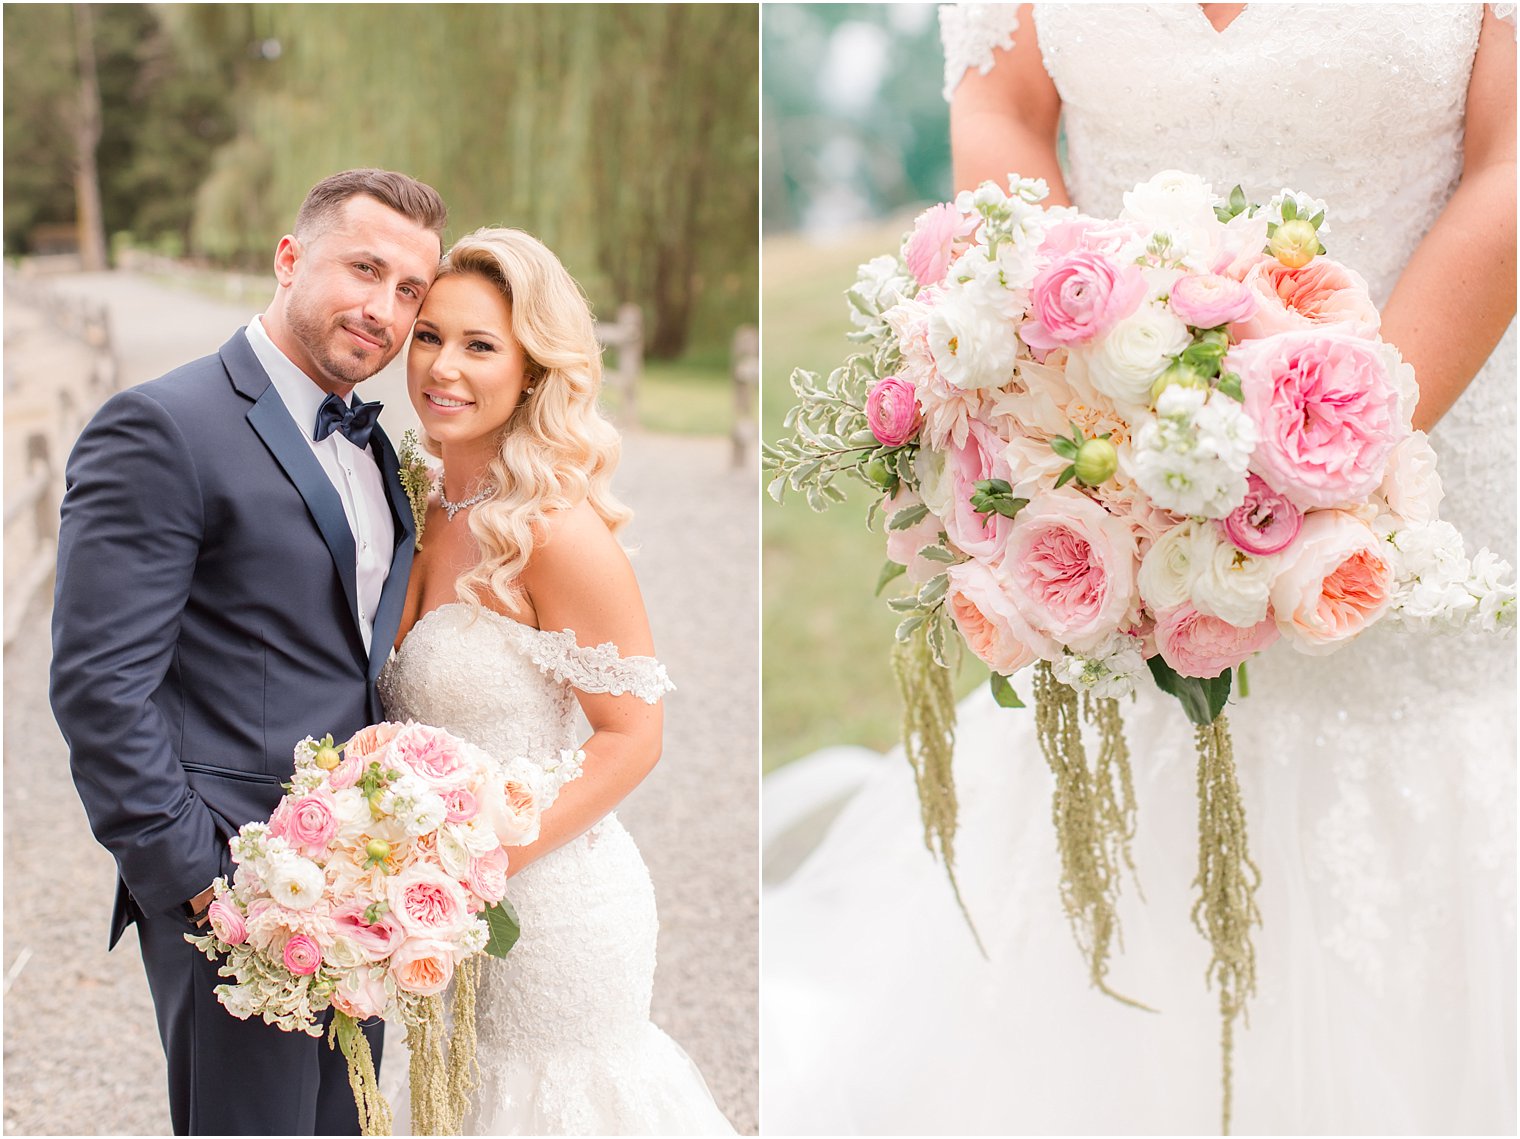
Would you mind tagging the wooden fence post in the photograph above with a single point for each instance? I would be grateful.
(746, 375)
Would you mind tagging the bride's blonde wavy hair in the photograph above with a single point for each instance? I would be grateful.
(556, 449)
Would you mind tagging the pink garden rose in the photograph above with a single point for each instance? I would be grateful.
(348, 772)
(990, 621)
(1265, 523)
(1327, 411)
(1089, 235)
(1334, 581)
(1208, 300)
(426, 901)
(931, 247)
(227, 922)
(1195, 644)
(431, 753)
(1079, 298)
(378, 939)
(1070, 567)
(360, 993)
(424, 966)
(486, 876)
(307, 823)
(903, 545)
(892, 411)
(302, 956)
(1322, 293)
(460, 804)
(980, 457)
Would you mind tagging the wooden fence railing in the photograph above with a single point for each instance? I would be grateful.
(31, 509)
(625, 336)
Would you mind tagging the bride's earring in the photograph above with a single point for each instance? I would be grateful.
(527, 391)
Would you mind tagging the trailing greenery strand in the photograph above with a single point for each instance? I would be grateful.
(374, 1113)
(463, 1073)
(1094, 818)
(429, 1073)
(929, 740)
(1227, 880)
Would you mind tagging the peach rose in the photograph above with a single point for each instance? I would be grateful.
(423, 966)
(1323, 292)
(990, 621)
(360, 993)
(1334, 581)
(368, 741)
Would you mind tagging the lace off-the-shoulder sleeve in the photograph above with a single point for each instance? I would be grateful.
(970, 34)
(1505, 12)
(601, 668)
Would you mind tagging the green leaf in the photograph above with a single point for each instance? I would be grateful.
(501, 919)
(1289, 210)
(909, 517)
(993, 486)
(903, 604)
(1010, 507)
(1201, 699)
(1318, 219)
(1065, 448)
(1229, 383)
(907, 626)
(1237, 199)
(937, 554)
(1066, 476)
(889, 572)
(933, 590)
(1003, 693)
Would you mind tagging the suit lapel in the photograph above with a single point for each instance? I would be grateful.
(269, 417)
(393, 593)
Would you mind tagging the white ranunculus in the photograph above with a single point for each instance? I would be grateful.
(972, 344)
(1124, 364)
(344, 953)
(1411, 484)
(453, 855)
(295, 882)
(936, 482)
(1171, 565)
(351, 809)
(1231, 584)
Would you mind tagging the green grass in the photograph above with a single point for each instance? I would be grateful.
(826, 671)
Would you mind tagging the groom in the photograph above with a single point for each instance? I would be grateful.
(232, 563)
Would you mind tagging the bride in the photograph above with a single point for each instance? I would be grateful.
(521, 608)
(1378, 782)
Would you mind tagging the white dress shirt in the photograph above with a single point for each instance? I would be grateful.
(352, 471)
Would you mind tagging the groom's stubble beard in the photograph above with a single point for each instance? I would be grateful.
(316, 334)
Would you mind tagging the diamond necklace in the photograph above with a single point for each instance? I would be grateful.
(452, 508)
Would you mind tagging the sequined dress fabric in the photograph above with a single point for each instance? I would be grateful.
(1379, 781)
(564, 1039)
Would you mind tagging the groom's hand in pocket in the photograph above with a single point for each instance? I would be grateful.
(196, 909)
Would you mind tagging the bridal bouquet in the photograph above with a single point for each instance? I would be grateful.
(378, 880)
(1130, 450)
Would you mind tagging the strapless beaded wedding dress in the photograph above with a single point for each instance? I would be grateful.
(1378, 781)
(564, 1039)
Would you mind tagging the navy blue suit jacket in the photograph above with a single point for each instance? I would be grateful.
(205, 618)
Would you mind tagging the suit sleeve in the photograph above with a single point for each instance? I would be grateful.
(130, 534)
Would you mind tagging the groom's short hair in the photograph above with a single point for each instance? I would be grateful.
(402, 193)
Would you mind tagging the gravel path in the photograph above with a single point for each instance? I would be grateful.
(80, 1047)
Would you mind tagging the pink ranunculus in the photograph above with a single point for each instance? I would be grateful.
(1326, 409)
(931, 247)
(460, 804)
(1334, 581)
(1195, 644)
(360, 993)
(348, 771)
(486, 876)
(1265, 523)
(1070, 567)
(302, 956)
(1079, 298)
(1208, 300)
(424, 966)
(903, 545)
(378, 939)
(431, 753)
(990, 622)
(227, 922)
(307, 823)
(980, 457)
(1322, 293)
(892, 411)
(426, 901)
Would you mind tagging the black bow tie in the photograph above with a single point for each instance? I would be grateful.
(354, 423)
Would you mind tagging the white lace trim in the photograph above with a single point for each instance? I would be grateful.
(970, 34)
(601, 668)
(1505, 12)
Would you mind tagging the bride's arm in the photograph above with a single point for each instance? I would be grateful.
(579, 578)
(1457, 294)
(1005, 121)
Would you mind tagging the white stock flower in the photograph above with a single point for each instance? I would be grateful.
(1431, 573)
(1124, 364)
(1172, 564)
(881, 283)
(295, 882)
(416, 806)
(475, 936)
(1232, 584)
(1192, 457)
(972, 343)
(1179, 206)
(1110, 670)
(1496, 596)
